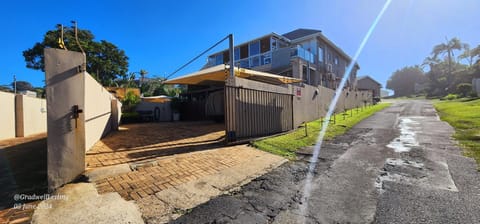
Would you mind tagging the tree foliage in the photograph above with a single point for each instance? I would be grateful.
(446, 72)
(105, 61)
(464, 89)
(130, 101)
(23, 86)
(403, 81)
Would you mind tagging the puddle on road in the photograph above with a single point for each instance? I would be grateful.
(407, 138)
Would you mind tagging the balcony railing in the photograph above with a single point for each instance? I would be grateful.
(266, 58)
(255, 60)
(302, 53)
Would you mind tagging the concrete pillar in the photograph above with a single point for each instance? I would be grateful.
(19, 123)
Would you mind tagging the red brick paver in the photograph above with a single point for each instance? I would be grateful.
(137, 142)
(175, 170)
(21, 140)
(22, 215)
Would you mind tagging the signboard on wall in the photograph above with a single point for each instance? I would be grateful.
(298, 91)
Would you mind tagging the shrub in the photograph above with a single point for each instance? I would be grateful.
(472, 94)
(130, 101)
(464, 88)
(451, 96)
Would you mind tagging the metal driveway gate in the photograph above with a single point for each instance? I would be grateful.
(253, 113)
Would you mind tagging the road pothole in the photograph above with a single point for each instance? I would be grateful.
(401, 171)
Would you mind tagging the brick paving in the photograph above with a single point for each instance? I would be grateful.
(21, 140)
(176, 153)
(138, 142)
(175, 170)
(15, 216)
(17, 151)
(183, 151)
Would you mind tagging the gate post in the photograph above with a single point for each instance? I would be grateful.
(230, 113)
(65, 90)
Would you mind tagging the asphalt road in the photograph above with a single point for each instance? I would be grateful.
(398, 166)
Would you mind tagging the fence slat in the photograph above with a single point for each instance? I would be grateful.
(253, 113)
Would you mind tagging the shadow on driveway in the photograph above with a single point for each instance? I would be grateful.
(137, 142)
(23, 170)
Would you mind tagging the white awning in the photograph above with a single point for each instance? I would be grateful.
(219, 73)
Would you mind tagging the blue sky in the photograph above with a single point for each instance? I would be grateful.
(160, 36)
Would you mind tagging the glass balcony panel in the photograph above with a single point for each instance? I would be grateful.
(254, 61)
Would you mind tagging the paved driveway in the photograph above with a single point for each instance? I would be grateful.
(140, 142)
(23, 170)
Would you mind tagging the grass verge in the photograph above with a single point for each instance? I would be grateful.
(464, 116)
(286, 145)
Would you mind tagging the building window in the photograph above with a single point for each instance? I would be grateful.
(305, 74)
(254, 48)
(211, 60)
(265, 45)
(244, 51)
(320, 54)
(219, 59)
(226, 57)
(274, 43)
(236, 52)
(336, 60)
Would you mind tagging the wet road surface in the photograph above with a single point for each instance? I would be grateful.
(398, 166)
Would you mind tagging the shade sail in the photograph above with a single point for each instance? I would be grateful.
(217, 74)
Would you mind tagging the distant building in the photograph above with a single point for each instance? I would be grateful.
(384, 93)
(368, 83)
(304, 54)
(476, 86)
(28, 93)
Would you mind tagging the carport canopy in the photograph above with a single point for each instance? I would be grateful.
(219, 73)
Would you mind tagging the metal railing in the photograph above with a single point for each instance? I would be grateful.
(302, 53)
(266, 58)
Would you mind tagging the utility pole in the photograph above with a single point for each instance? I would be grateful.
(14, 84)
(232, 59)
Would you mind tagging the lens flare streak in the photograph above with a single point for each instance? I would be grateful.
(316, 151)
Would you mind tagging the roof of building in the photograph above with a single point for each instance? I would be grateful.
(368, 77)
(218, 75)
(298, 33)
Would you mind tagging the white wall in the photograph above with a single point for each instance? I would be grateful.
(34, 114)
(7, 115)
(165, 109)
(97, 111)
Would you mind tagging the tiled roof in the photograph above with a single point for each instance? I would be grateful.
(299, 33)
(368, 77)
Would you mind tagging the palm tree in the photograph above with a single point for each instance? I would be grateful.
(142, 75)
(448, 48)
(431, 62)
(468, 55)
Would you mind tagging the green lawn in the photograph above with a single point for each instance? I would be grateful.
(286, 145)
(464, 116)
